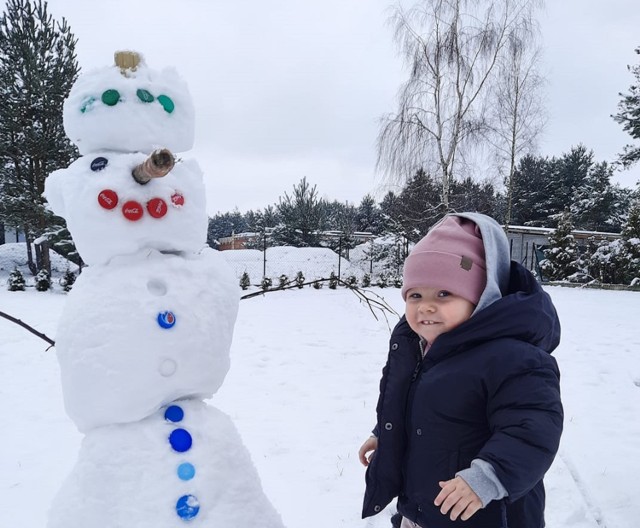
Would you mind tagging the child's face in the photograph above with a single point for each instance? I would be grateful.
(432, 311)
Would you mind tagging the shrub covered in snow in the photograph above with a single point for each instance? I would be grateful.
(16, 281)
(43, 281)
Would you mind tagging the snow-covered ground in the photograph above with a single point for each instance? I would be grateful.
(302, 391)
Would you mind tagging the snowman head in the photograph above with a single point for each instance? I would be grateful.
(129, 107)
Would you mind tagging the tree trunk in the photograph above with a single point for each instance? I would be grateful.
(32, 267)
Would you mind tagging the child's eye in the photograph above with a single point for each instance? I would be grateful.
(444, 293)
(414, 296)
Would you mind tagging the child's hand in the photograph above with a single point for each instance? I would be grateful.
(366, 451)
(458, 499)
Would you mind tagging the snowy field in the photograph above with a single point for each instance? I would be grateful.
(302, 391)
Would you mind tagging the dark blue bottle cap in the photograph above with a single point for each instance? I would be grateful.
(99, 163)
(187, 507)
(180, 440)
(174, 413)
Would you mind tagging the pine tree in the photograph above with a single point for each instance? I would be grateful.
(16, 281)
(38, 66)
(529, 191)
(302, 217)
(245, 281)
(598, 205)
(629, 117)
(631, 245)
(369, 216)
(560, 258)
(43, 281)
(68, 280)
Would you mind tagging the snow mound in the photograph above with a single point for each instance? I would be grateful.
(314, 263)
(14, 255)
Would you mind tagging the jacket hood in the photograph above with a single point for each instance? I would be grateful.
(525, 313)
(496, 250)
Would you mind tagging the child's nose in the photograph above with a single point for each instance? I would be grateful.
(427, 306)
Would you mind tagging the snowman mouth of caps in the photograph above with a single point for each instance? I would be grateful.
(112, 97)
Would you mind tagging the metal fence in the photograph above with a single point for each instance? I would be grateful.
(379, 260)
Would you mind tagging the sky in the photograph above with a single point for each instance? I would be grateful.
(288, 89)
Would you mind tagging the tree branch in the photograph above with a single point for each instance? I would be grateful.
(30, 328)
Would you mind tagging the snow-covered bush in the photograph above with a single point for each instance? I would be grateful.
(562, 258)
(283, 281)
(67, 280)
(351, 281)
(618, 261)
(299, 279)
(16, 281)
(266, 283)
(333, 281)
(245, 281)
(43, 281)
(383, 280)
(366, 280)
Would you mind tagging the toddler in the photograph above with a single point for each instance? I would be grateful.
(469, 415)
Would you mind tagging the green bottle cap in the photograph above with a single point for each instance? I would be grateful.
(144, 96)
(166, 103)
(111, 97)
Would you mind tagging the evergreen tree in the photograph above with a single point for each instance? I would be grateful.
(224, 225)
(43, 281)
(567, 174)
(369, 217)
(596, 204)
(390, 212)
(562, 255)
(419, 206)
(629, 117)
(16, 281)
(302, 217)
(471, 195)
(245, 281)
(68, 280)
(529, 191)
(631, 246)
(38, 66)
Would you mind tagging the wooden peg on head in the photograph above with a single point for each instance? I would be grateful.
(127, 61)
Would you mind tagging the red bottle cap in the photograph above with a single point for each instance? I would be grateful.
(108, 199)
(132, 210)
(177, 200)
(157, 207)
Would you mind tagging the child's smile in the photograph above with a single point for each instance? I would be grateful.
(433, 311)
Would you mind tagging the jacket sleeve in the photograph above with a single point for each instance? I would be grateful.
(525, 417)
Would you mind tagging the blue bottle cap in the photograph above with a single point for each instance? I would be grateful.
(99, 163)
(186, 471)
(187, 507)
(180, 440)
(174, 413)
(166, 320)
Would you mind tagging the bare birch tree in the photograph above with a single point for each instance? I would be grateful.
(517, 112)
(452, 48)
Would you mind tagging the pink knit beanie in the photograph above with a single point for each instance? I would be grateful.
(451, 257)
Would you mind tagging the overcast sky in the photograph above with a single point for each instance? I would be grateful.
(291, 88)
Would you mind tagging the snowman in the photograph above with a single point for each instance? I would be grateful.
(145, 334)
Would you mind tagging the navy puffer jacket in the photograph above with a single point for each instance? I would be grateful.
(488, 389)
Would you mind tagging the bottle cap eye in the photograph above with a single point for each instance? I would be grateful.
(166, 103)
(145, 96)
(110, 97)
